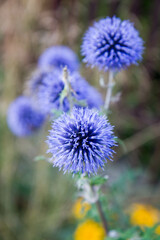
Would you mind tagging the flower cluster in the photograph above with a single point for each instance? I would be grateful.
(23, 118)
(81, 142)
(112, 44)
(46, 87)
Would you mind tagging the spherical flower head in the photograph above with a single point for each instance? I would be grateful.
(144, 215)
(49, 94)
(81, 142)
(80, 208)
(36, 80)
(89, 230)
(59, 57)
(112, 44)
(23, 118)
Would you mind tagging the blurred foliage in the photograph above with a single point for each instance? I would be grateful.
(36, 199)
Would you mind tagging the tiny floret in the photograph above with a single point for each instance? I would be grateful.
(23, 118)
(59, 57)
(81, 142)
(112, 44)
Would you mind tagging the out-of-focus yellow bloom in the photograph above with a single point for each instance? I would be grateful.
(80, 208)
(89, 230)
(144, 215)
(157, 231)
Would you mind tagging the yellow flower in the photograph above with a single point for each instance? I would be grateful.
(144, 215)
(89, 230)
(157, 231)
(80, 208)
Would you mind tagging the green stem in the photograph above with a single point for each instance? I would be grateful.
(102, 216)
(109, 91)
(100, 211)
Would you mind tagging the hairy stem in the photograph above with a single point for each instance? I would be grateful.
(109, 91)
(102, 216)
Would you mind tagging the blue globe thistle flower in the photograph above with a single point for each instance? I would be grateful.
(36, 80)
(49, 94)
(59, 57)
(81, 142)
(112, 44)
(23, 119)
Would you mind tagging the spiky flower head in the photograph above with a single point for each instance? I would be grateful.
(112, 44)
(50, 92)
(81, 142)
(59, 57)
(23, 118)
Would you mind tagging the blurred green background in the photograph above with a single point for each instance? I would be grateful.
(36, 199)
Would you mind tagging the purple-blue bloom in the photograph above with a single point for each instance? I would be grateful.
(59, 57)
(23, 118)
(49, 94)
(81, 142)
(84, 91)
(36, 80)
(112, 44)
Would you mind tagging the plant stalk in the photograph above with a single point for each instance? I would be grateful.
(102, 216)
(109, 91)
